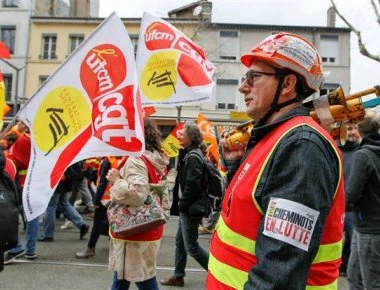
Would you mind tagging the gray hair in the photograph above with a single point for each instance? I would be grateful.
(194, 134)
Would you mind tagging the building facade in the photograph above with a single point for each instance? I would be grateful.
(15, 30)
(52, 38)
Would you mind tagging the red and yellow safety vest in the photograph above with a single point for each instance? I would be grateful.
(93, 163)
(232, 251)
(19, 153)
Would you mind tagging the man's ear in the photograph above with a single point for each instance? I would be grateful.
(289, 84)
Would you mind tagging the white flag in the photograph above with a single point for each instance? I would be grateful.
(172, 69)
(87, 108)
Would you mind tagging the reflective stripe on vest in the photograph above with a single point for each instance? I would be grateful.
(22, 176)
(332, 286)
(232, 253)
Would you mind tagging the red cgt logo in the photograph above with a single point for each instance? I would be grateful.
(114, 119)
(103, 69)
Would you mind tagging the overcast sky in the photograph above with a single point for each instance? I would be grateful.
(365, 73)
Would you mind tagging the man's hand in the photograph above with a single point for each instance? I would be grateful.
(231, 154)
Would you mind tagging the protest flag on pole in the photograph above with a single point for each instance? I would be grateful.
(208, 131)
(171, 144)
(172, 69)
(86, 108)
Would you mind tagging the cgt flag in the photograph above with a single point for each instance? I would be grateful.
(86, 108)
(172, 69)
(208, 130)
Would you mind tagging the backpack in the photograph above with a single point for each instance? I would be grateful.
(214, 183)
(9, 212)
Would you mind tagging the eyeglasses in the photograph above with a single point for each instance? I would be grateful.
(251, 75)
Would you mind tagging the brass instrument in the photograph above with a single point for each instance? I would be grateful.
(340, 108)
(240, 134)
(347, 108)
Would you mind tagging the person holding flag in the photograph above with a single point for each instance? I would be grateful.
(19, 153)
(133, 258)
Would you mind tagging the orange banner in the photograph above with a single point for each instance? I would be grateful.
(207, 128)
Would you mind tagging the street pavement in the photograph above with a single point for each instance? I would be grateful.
(57, 268)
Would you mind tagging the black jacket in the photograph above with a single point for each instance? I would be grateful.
(189, 179)
(363, 188)
(73, 175)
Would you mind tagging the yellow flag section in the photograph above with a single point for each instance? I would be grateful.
(4, 108)
(172, 69)
(208, 131)
(88, 107)
(171, 144)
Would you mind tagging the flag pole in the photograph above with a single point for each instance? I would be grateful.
(179, 110)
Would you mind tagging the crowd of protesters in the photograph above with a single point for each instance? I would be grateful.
(296, 206)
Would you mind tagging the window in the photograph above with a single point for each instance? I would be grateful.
(135, 40)
(328, 88)
(329, 48)
(75, 41)
(49, 46)
(42, 79)
(226, 91)
(228, 45)
(10, 3)
(8, 86)
(8, 35)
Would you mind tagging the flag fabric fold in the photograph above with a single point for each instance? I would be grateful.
(87, 108)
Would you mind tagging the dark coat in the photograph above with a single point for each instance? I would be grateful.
(363, 194)
(189, 179)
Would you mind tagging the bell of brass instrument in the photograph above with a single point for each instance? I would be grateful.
(343, 108)
(340, 107)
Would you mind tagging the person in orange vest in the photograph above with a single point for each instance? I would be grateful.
(101, 198)
(9, 206)
(282, 216)
(19, 153)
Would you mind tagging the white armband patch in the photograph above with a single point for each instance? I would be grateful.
(290, 222)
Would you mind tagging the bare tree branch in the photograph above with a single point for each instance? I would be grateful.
(362, 48)
(376, 10)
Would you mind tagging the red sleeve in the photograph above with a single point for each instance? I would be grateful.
(19, 152)
(10, 168)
